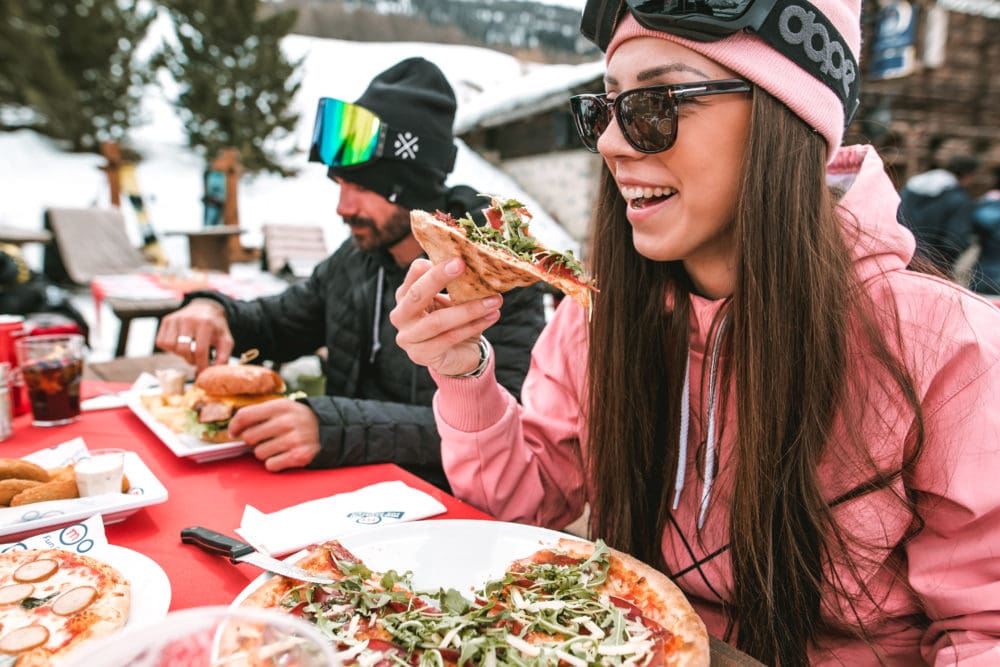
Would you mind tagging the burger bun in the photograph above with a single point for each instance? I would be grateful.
(239, 379)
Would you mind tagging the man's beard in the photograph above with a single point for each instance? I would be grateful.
(394, 230)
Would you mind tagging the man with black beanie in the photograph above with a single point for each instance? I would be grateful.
(377, 407)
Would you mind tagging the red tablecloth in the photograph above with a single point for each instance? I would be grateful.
(208, 494)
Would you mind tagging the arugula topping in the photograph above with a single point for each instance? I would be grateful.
(557, 602)
(32, 603)
(508, 231)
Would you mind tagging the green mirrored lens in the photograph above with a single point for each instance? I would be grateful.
(345, 134)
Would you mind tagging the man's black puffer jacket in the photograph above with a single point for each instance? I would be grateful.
(377, 407)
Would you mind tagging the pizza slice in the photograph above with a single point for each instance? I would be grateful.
(350, 612)
(500, 256)
(600, 606)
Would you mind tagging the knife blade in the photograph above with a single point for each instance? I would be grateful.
(240, 552)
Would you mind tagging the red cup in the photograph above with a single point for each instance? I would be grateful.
(12, 328)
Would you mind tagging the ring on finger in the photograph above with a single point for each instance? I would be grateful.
(186, 340)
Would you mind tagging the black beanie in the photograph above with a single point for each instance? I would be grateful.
(415, 101)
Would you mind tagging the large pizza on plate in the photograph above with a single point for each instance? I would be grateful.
(52, 601)
(570, 603)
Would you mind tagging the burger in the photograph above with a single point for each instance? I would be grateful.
(219, 391)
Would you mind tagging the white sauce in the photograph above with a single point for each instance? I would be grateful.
(101, 473)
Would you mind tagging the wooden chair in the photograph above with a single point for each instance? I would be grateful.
(292, 249)
(87, 242)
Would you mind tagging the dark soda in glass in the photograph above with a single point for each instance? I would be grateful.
(54, 390)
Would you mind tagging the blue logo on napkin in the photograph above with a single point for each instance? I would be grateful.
(371, 518)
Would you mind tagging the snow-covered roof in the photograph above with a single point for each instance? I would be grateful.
(540, 89)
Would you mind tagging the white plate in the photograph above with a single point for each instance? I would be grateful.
(151, 590)
(184, 446)
(145, 489)
(446, 553)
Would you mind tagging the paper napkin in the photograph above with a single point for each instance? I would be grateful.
(85, 537)
(293, 528)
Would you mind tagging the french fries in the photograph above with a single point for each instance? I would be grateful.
(24, 483)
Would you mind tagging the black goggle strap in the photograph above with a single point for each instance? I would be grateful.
(801, 33)
(407, 146)
(600, 18)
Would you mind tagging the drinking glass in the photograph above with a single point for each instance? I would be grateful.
(52, 367)
(212, 637)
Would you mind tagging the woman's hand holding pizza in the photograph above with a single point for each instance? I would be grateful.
(432, 331)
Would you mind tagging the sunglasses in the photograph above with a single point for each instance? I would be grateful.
(794, 28)
(349, 135)
(647, 117)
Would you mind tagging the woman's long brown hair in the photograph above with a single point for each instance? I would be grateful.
(799, 319)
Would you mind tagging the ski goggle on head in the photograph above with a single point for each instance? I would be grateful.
(647, 117)
(349, 135)
(794, 28)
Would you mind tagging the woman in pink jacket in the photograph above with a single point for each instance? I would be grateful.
(767, 403)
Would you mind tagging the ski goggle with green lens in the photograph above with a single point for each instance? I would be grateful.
(794, 28)
(349, 135)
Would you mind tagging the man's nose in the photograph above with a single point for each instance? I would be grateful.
(347, 204)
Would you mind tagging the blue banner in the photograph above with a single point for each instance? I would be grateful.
(892, 49)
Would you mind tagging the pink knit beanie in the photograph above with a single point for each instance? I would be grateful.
(753, 59)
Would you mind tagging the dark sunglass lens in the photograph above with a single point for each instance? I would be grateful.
(647, 119)
(591, 115)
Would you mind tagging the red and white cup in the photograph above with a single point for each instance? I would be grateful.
(11, 328)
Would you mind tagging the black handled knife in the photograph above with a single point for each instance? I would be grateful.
(241, 552)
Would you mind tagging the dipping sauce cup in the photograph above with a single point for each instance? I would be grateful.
(100, 471)
(52, 368)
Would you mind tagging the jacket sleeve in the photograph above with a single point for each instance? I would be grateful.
(954, 561)
(357, 432)
(282, 327)
(521, 462)
(522, 318)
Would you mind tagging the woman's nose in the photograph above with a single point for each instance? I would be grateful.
(612, 142)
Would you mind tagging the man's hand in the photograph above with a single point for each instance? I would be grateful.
(283, 433)
(193, 330)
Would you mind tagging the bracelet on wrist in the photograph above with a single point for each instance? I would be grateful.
(484, 360)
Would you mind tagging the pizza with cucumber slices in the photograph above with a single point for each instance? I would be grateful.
(500, 255)
(52, 600)
(575, 603)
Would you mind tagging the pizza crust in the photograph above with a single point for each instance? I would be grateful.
(490, 271)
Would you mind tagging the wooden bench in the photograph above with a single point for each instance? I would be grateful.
(127, 369)
(294, 249)
(127, 310)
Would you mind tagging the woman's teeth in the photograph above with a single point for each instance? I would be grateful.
(637, 196)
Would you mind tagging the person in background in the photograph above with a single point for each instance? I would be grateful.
(377, 407)
(936, 205)
(29, 293)
(766, 403)
(986, 228)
